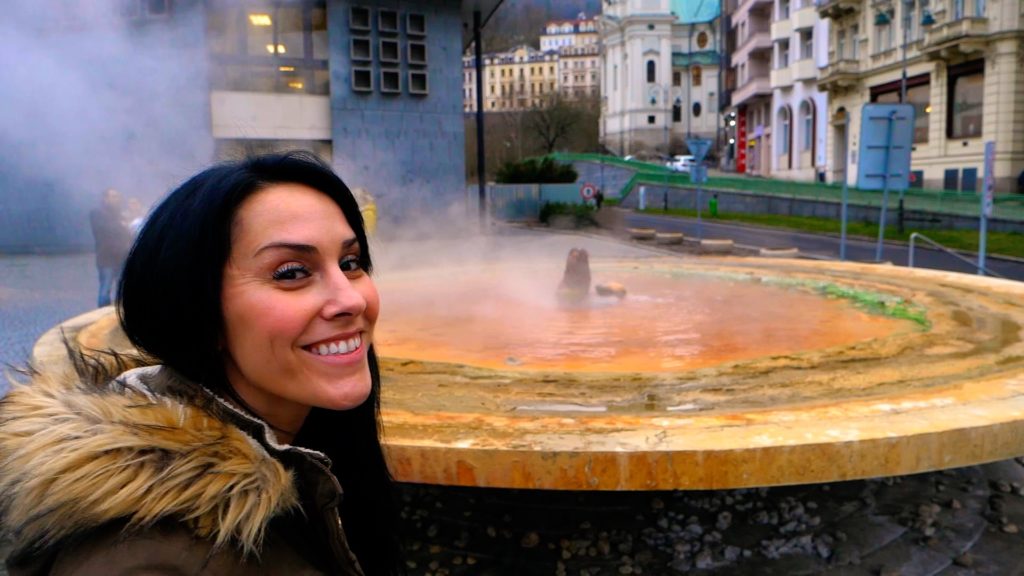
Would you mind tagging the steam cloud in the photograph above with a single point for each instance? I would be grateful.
(91, 100)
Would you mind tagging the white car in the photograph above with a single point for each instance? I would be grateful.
(681, 164)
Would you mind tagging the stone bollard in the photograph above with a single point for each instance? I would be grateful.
(668, 238)
(779, 252)
(642, 233)
(723, 246)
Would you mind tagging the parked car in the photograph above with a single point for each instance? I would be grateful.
(681, 164)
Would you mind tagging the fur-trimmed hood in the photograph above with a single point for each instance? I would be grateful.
(75, 456)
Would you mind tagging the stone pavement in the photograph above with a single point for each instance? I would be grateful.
(951, 523)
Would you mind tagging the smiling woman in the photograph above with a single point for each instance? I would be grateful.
(226, 449)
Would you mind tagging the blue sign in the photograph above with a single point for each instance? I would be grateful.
(699, 174)
(698, 148)
(886, 136)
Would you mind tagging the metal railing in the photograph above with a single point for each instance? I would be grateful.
(910, 255)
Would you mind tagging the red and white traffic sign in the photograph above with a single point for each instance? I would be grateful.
(588, 191)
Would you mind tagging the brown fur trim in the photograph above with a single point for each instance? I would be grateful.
(74, 457)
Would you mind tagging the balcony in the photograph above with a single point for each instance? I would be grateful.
(837, 8)
(781, 30)
(805, 69)
(805, 18)
(956, 38)
(754, 88)
(756, 42)
(782, 78)
(746, 6)
(839, 75)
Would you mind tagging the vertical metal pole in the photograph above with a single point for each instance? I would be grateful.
(481, 166)
(986, 204)
(903, 88)
(846, 185)
(885, 187)
(700, 232)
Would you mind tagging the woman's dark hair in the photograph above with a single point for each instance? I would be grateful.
(169, 305)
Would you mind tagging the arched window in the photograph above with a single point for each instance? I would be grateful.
(696, 73)
(651, 74)
(806, 126)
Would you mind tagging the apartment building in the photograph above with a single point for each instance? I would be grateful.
(962, 63)
(751, 99)
(515, 80)
(569, 33)
(568, 64)
(800, 112)
(660, 80)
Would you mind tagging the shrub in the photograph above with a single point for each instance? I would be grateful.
(582, 214)
(534, 171)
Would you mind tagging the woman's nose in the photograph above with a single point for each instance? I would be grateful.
(341, 296)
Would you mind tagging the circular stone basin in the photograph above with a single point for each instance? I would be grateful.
(708, 375)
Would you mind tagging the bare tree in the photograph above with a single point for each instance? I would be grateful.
(553, 121)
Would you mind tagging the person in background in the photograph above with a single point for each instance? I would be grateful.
(113, 241)
(598, 198)
(243, 439)
(135, 216)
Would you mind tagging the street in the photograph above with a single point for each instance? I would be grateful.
(857, 249)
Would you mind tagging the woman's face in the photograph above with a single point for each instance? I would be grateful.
(299, 311)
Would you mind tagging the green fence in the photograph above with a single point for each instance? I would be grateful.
(1006, 206)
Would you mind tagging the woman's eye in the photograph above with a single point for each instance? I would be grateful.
(291, 272)
(350, 264)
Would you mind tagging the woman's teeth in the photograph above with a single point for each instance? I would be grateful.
(339, 347)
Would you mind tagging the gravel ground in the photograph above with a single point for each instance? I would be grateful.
(954, 522)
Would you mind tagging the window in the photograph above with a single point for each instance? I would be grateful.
(273, 49)
(650, 119)
(783, 54)
(702, 40)
(855, 41)
(712, 102)
(784, 130)
(677, 78)
(918, 94)
(783, 9)
(677, 112)
(651, 75)
(696, 74)
(840, 44)
(966, 99)
(615, 78)
(807, 126)
(807, 45)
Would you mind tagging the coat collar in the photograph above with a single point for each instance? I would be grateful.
(148, 446)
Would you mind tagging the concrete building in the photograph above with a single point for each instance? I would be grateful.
(372, 86)
(569, 33)
(963, 76)
(515, 80)
(750, 23)
(568, 64)
(800, 112)
(660, 78)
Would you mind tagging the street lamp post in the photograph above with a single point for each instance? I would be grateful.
(907, 5)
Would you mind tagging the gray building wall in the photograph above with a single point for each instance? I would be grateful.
(93, 101)
(406, 149)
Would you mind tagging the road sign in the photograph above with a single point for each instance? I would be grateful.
(886, 136)
(588, 191)
(699, 174)
(698, 148)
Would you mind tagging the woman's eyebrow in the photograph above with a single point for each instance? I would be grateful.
(293, 246)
